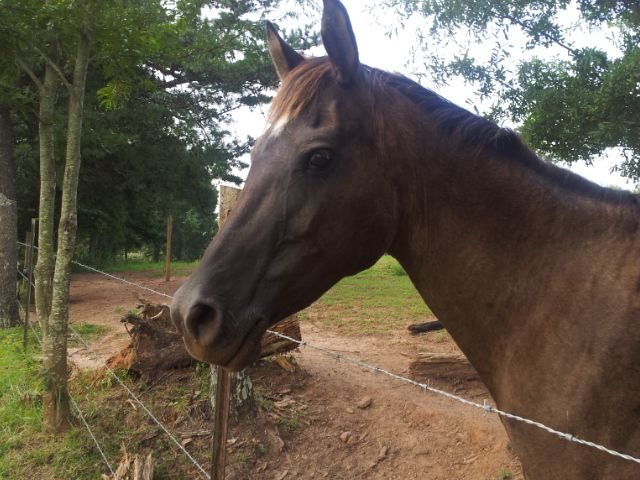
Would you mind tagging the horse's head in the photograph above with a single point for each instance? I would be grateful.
(318, 204)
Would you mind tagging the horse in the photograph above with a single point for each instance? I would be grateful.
(532, 269)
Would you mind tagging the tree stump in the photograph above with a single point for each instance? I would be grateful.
(156, 346)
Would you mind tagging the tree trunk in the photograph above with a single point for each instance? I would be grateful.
(45, 265)
(8, 224)
(56, 401)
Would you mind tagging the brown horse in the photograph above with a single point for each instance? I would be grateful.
(533, 270)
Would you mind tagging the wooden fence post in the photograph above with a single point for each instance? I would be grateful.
(229, 392)
(167, 260)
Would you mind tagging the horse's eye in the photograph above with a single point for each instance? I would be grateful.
(319, 160)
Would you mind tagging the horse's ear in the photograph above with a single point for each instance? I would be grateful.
(339, 40)
(283, 56)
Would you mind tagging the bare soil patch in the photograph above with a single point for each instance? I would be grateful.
(309, 423)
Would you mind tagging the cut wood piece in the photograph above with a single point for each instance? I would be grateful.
(274, 345)
(451, 357)
(133, 467)
(425, 327)
(285, 363)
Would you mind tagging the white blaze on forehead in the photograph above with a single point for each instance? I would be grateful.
(278, 126)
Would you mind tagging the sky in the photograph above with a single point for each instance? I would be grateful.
(392, 52)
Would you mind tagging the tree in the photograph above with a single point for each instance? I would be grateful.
(9, 223)
(12, 99)
(23, 18)
(71, 27)
(573, 107)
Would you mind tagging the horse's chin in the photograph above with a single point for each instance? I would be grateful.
(243, 357)
(244, 354)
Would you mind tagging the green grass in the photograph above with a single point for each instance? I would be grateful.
(372, 301)
(29, 452)
(26, 450)
(152, 268)
(87, 331)
(504, 474)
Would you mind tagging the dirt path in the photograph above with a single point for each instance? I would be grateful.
(404, 434)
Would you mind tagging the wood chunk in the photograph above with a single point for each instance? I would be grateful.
(274, 345)
(133, 467)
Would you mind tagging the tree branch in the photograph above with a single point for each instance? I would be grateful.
(29, 72)
(522, 25)
(55, 67)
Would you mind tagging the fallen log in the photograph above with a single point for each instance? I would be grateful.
(432, 326)
(274, 345)
(449, 371)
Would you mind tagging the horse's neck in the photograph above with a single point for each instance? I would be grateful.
(502, 254)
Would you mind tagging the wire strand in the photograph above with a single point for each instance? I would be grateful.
(114, 277)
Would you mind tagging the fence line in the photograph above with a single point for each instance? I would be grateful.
(114, 277)
(139, 402)
(484, 406)
(77, 408)
(32, 284)
(131, 394)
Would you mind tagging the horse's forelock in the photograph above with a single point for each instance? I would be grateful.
(299, 89)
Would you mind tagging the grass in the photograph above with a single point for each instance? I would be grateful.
(87, 331)
(504, 474)
(155, 269)
(29, 452)
(26, 450)
(373, 301)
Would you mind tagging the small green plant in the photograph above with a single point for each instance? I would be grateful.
(288, 424)
(504, 474)
(88, 330)
(259, 449)
(397, 270)
(242, 457)
(265, 404)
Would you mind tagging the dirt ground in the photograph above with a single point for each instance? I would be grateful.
(403, 434)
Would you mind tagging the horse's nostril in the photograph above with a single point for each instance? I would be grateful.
(203, 324)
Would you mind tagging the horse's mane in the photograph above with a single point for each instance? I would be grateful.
(302, 84)
(460, 127)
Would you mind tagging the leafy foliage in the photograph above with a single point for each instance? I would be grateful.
(574, 106)
(163, 80)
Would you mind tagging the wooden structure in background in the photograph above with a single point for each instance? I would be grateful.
(167, 258)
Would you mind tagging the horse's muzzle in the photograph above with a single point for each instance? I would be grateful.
(210, 337)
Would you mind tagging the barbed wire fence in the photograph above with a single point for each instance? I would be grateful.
(129, 392)
(425, 387)
(74, 404)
